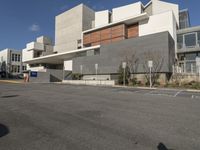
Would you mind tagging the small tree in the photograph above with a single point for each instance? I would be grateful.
(4, 69)
(121, 74)
(158, 61)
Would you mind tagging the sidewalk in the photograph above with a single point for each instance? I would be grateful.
(12, 81)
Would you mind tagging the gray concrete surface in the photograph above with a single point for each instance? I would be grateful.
(66, 117)
(112, 55)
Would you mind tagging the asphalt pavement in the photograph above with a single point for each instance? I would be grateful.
(67, 117)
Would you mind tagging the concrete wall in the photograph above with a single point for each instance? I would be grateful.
(51, 75)
(113, 54)
(158, 23)
(69, 26)
(161, 7)
(44, 40)
(126, 11)
(101, 18)
(27, 55)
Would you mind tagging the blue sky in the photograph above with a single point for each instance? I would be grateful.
(24, 20)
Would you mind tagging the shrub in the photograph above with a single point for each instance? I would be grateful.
(76, 76)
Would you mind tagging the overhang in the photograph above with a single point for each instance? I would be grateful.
(60, 57)
(128, 21)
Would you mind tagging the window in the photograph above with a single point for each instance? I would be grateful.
(198, 37)
(180, 41)
(90, 53)
(18, 69)
(19, 58)
(190, 40)
(13, 57)
(191, 56)
(97, 52)
(79, 41)
(14, 68)
(16, 57)
(24, 67)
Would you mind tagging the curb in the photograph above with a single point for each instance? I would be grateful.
(8, 81)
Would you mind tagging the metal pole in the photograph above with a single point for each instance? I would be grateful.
(150, 79)
(96, 73)
(96, 67)
(199, 72)
(63, 72)
(124, 76)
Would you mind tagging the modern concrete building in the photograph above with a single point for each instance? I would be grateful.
(188, 49)
(11, 62)
(85, 39)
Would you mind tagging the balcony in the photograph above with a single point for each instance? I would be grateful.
(35, 46)
(182, 48)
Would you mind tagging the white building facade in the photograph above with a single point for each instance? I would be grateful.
(11, 62)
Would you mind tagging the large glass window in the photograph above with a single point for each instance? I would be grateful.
(191, 56)
(180, 41)
(198, 37)
(190, 40)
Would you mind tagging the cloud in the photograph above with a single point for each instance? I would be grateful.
(34, 28)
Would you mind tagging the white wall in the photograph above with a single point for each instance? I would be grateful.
(4, 55)
(160, 7)
(127, 11)
(159, 23)
(35, 45)
(68, 65)
(27, 55)
(101, 18)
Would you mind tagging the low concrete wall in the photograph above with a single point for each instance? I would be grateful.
(90, 82)
(51, 75)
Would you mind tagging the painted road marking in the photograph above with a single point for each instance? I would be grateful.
(177, 93)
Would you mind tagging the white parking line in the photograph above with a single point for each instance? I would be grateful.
(177, 93)
(151, 92)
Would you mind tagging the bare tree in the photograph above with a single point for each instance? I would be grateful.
(132, 65)
(132, 62)
(158, 61)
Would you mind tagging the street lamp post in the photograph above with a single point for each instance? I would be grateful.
(124, 67)
(150, 65)
(81, 70)
(96, 68)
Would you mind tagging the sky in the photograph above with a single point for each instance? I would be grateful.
(22, 21)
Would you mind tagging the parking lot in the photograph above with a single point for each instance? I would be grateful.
(60, 117)
(163, 92)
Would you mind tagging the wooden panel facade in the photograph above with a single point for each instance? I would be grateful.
(110, 34)
(132, 31)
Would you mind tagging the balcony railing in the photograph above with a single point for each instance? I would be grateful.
(183, 47)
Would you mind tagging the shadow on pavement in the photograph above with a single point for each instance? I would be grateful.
(9, 96)
(3, 130)
(161, 146)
